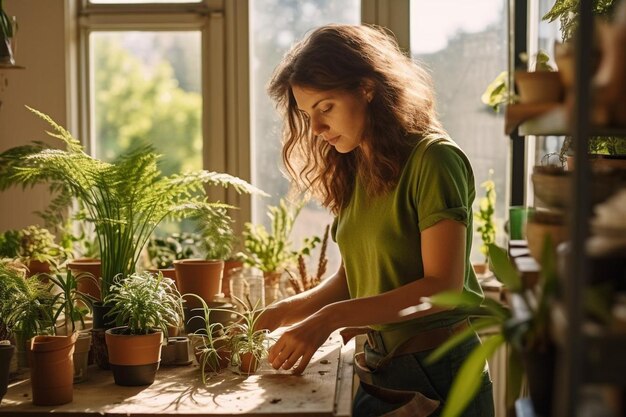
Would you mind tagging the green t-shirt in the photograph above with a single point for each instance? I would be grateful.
(380, 237)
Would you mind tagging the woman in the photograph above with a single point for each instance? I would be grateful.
(362, 136)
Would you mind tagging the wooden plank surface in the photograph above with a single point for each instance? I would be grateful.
(319, 391)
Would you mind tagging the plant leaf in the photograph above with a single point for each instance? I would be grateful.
(503, 268)
(468, 379)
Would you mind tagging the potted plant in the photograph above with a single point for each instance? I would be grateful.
(26, 307)
(144, 305)
(39, 251)
(248, 346)
(210, 343)
(543, 85)
(526, 329)
(164, 251)
(486, 227)
(304, 281)
(72, 306)
(218, 241)
(35, 247)
(271, 251)
(6, 34)
(126, 200)
(567, 13)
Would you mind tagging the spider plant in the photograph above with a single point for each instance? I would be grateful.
(145, 301)
(210, 343)
(244, 340)
(126, 200)
(73, 304)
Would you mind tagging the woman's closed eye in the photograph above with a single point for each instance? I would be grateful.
(326, 109)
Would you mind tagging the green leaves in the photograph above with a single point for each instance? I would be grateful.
(271, 251)
(125, 200)
(143, 301)
(469, 377)
(503, 269)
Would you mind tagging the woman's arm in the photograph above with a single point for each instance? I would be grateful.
(443, 254)
(301, 306)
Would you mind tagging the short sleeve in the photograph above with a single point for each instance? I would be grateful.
(442, 187)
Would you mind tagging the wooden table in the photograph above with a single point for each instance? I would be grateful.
(324, 389)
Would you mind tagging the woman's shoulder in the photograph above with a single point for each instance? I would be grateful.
(434, 148)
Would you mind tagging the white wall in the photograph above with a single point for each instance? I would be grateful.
(42, 85)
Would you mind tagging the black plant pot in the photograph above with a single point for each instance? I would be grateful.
(539, 365)
(99, 349)
(102, 319)
(6, 353)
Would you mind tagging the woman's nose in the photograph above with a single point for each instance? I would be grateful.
(318, 127)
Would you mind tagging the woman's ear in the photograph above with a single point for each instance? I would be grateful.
(367, 87)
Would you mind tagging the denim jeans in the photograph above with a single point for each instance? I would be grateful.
(411, 373)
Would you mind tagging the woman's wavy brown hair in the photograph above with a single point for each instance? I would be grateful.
(401, 111)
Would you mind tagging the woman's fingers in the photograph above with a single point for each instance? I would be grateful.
(304, 362)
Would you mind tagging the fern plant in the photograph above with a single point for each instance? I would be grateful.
(125, 200)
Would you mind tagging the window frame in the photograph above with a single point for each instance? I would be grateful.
(224, 63)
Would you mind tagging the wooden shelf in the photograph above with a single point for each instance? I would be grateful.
(547, 119)
(11, 67)
(530, 118)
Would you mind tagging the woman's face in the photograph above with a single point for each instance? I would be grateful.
(336, 116)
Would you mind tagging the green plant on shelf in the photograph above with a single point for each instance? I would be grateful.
(499, 93)
(485, 214)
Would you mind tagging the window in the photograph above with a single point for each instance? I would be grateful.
(143, 69)
(274, 26)
(465, 50)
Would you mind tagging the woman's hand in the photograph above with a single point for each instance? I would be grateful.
(300, 342)
(271, 318)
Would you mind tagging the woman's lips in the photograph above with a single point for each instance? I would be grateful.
(332, 141)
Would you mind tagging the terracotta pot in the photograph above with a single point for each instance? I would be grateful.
(6, 353)
(134, 359)
(539, 87)
(536, 232)
(200, 277)
(38, 267)
(249, 363)
(52, 369)
(169, 273)
(92, 266)
(213, 363)
(81, 356)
